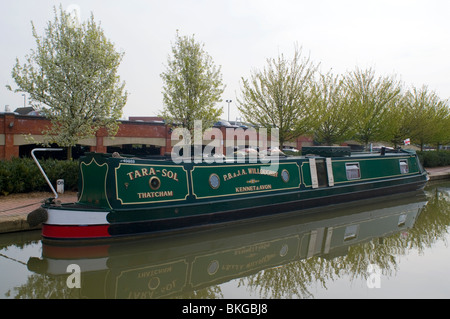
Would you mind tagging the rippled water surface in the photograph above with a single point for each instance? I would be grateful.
(383, 248)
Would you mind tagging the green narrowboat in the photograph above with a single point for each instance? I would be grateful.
(123, 196)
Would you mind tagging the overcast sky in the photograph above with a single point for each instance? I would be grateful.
(407, 38)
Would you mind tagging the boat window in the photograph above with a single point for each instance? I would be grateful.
(321, 173)
(351, 232)
(402, 220)
(352, 170)
(213, 267)
(285, 175)
(404, 169)
(155, 183)
(214, 181)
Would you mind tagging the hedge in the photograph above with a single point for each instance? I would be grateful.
(21, 175)
(434, 158)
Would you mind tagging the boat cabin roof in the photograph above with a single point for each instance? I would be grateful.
(251, 154)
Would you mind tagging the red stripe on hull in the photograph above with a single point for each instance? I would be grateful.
(63, 232)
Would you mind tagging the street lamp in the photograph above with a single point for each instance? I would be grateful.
(228, 101)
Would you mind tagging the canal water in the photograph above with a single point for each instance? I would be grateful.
(390, 247)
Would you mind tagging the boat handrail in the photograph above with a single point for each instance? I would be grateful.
(40, 167)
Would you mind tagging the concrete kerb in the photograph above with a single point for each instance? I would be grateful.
(15, 208)
(439, 173)
(11, 224)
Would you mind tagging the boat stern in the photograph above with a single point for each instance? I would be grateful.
(72, 221)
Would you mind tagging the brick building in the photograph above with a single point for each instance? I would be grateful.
(139, 135)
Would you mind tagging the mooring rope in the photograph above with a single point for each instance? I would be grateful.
(18, 207)
(20, 262)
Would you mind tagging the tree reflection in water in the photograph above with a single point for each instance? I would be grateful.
(292, 278)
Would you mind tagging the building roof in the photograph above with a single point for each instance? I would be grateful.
(24, 110)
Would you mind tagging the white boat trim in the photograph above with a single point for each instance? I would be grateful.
(76, 217)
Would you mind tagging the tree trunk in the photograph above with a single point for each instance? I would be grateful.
(69, 153)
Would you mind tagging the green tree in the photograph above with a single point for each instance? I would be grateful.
(446, 134)
(400, 129)
(372, 100)
(192, 85)
(72, 74)
(428, 117)
(280, 96)
(334, 109)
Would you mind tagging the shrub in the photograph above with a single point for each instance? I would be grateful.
(434, 158)
(21, 175)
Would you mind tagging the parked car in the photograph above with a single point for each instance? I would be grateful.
(223, 123)
(272, 151)
(290, 149)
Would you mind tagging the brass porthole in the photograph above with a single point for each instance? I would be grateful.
(285, 175)
(154, 283)
(214, 181)
(284, 250)
(213, 267)
(154, 183)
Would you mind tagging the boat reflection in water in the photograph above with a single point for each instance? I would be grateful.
(190, 265)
